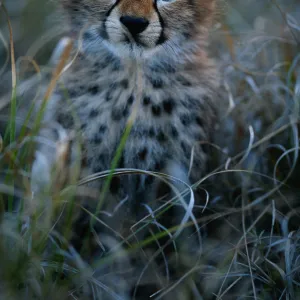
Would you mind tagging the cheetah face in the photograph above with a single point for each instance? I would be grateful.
(138, 24)
(135, 23)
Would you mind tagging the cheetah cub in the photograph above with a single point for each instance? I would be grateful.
(146, 59)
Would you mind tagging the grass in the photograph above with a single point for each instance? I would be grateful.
(238, 238)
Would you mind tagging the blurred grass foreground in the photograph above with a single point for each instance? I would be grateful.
(248, 222)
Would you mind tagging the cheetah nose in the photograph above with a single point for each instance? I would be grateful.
(135, 25)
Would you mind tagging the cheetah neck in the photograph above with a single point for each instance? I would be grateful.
(169, 54)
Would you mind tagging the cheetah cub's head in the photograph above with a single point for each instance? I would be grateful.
(139, 25)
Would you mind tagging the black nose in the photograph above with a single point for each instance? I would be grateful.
(135, 25)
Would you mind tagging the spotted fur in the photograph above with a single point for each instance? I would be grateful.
(164, 72)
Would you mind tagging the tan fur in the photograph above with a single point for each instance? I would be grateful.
(141, 8)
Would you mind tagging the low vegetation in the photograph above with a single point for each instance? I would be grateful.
(245, 217)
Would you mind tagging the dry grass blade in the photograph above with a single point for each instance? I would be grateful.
(59, 69)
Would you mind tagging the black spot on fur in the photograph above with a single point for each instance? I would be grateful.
(83, 125)
(199, 121)
(130, 99)
(87, 36)
(116, 66)
(174, 131)
(115, 185)
(185, 119)
(146, 100)
(101, 157)
(161, 137)
(65, 119)
(112, 61)
(93, 113)
(93, 90)
(125, 111)
(117, 114)
(124, 84)
(168, 105)
(156, 110)
(102, 128)
(97, 139)
(151, 132)
(187, 34)
(157, 83)
(142, 154)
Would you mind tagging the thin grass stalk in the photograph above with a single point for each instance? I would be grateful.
(13, 102)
